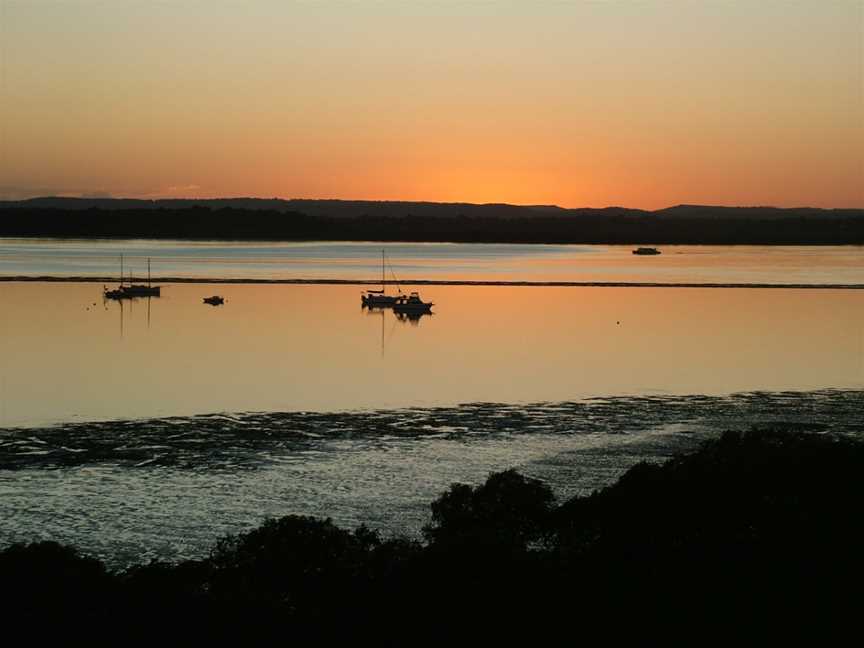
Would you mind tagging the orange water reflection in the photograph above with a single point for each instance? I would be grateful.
(66, 355)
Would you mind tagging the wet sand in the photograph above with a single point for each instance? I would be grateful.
(130, 491)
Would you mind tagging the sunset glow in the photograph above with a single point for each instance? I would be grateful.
(638, 104)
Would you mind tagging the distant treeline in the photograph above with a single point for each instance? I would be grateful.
(248, 219)
(754, 539)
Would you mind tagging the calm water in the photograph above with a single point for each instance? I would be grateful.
(434, 261)
(146, 429)
(67, 356)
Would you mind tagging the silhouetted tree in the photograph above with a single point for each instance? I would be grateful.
(49, 580)
(758, 531)
(507, 511)
(294, 563)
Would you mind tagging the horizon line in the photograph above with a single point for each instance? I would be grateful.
(428, 202)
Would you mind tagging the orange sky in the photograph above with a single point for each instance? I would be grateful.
(640, 104)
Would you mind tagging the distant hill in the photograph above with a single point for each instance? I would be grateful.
(303, 219)
(328, 208)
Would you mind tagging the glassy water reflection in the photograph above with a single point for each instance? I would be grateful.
(67, 355)
(145, 429)
(433, 261)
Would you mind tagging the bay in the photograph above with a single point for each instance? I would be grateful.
(432, 261)
(147, 428)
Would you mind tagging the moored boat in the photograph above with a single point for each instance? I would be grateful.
(412, 304)
(646, 251)
(131, 291)
(134, 290)
(215, 300)
(379, 298)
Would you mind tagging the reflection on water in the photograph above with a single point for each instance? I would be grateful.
(131, 491)
(412, 318)
(256, 440)
(124, 306)
(66, 356)
(435, 261)
(180, 422)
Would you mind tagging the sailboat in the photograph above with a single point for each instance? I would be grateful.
(379, 298)
(132, 290)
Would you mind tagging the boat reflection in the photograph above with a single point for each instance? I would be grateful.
(127, 302)
(412, 318)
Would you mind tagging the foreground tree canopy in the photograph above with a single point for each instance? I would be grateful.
(754, 533)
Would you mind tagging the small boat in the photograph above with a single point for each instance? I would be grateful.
(646, 251)
(131, 291)
(411, 304)
(378, 298)
(215, 300)
(134, 290)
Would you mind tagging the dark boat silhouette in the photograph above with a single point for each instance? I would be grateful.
(131, 290)
(379, 298)
(646, 251)
(215, 300)
(412, 304)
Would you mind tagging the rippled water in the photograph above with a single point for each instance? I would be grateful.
(167, 488)
(147, 429)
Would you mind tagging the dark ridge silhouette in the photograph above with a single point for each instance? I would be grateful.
(260, 219)
(753, 538)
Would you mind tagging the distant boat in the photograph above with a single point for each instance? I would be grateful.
(215, 300)
(646, 251)
(412, 304)
(379, 298)
(132, 290)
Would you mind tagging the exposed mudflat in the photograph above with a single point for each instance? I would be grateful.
(166, 488)
(254, 439)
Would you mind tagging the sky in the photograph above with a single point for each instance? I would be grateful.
(640, 104)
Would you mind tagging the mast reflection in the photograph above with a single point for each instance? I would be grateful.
(122, 305)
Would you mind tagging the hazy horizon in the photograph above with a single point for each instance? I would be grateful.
(433, 202)
(634, 104)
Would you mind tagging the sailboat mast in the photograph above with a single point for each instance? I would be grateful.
(121, 269)
(382, 270)
(148, 272)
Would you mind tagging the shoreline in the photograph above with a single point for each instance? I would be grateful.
(752, 504)
(441, 282)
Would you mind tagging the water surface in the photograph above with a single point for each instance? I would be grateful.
(69, 356)
(433, 261)
(147, 428)
(168, 488)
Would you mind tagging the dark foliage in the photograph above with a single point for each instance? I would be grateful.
(505, 513)
(755, 538)
(352, 221)
(298, 564)
(45, 585)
